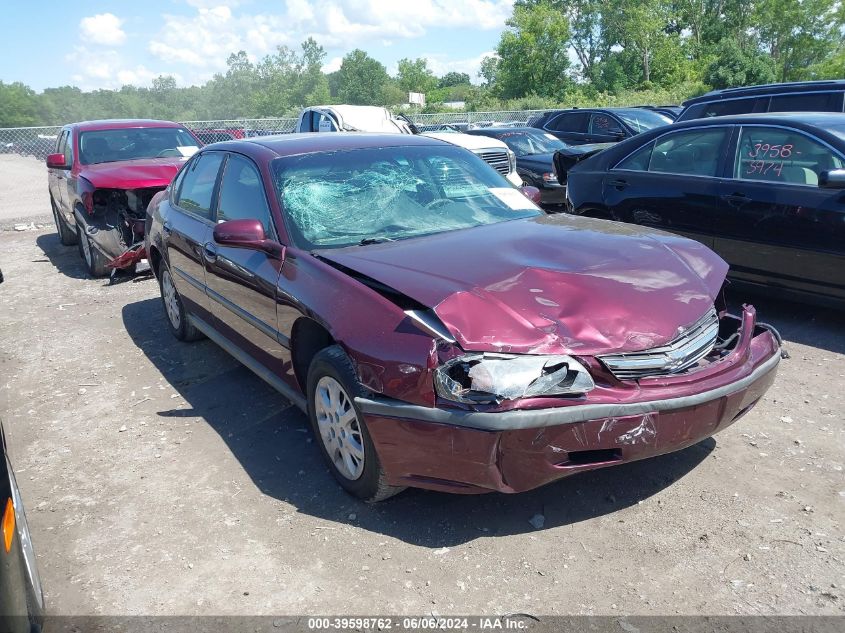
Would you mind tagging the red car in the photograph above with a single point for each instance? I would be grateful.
(101, 178)
(438, 329)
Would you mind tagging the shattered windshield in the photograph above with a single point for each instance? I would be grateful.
(109, 146)
(363, 196)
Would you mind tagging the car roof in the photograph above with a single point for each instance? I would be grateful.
(122, 124)
(504, 130)
(798, 119)
(307, 142)
(764, 89)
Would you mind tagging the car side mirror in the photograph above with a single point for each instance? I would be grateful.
(56, 161)
(833, 179)
(532, 193)
(247, 234)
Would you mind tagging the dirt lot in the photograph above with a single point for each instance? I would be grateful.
(164, 478)
(23, 191)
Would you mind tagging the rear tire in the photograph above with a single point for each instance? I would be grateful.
(340, 429)
(174, 310)
(67, 235)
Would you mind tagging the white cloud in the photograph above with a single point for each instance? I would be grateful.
(205, 39)
(103, 28)
(332, 65)
(95, 69)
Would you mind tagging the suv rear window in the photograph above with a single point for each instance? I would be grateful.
(570, 122)
(807, 102)
(725, 108)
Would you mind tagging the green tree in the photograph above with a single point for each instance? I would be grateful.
(798, 34)
(415, 76)
(533, 52)
(18, 105)
(362, 80)
(588, 32)
(735, 66)
(453, 79)
(639, 26)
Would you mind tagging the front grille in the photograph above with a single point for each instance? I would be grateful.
(497, 159)
(693, 344)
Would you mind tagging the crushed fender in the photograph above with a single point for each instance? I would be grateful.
(129, 258)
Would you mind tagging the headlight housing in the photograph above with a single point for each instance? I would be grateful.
(488, 377)
(511, 161)
(550, 178)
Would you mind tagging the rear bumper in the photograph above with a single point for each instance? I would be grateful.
(555, 194)
(517, 450)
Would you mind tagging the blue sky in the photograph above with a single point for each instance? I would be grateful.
(99, 44)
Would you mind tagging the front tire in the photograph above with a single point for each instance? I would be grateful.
(95, 261)
(67, 236)
(339, 426)
(177, 318)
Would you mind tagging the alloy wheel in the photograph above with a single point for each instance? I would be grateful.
(340, 429)
(171, 299)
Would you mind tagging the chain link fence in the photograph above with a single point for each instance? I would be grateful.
(40, 141)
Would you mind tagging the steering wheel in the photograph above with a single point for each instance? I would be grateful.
(439, 202)
(165, 153)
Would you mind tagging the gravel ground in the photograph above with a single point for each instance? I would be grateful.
(164, 478)
(24, 197)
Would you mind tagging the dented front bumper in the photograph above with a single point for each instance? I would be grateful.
(515, 450)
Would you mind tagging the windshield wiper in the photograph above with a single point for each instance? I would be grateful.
(375, 240)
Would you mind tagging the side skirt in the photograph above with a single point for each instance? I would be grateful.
(253, 365)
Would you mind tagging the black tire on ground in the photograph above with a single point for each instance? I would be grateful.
(94, 260)
(67, 235)
(174, 309)
(332, 363)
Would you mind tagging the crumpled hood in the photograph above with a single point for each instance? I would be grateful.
(550, 284)
(132, 174)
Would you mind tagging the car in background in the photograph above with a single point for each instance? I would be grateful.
(438, 329)
(102, 175)
(672, 111)
(765, 191)
(798, 96)
(21, 597)
(374, 119)
(442, 127)
(598, 125)
(534, 151)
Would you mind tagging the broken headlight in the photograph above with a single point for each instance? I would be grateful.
(485, 378)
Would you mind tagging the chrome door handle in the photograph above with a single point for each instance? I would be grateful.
(209, 252)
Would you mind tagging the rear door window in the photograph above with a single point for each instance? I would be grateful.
(197, 190)
(733, 106)
(807, 102)
(782, 156)
(691, 153)
(601, 123)
(571, 122)
(242, 194)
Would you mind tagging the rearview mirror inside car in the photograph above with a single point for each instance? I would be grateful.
(247, 234)
(56, 161)
(833, 179)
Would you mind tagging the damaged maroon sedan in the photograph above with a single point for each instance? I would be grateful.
(439, 330)
(101, 178)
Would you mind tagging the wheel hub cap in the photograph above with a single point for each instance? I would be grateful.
(171, 300)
